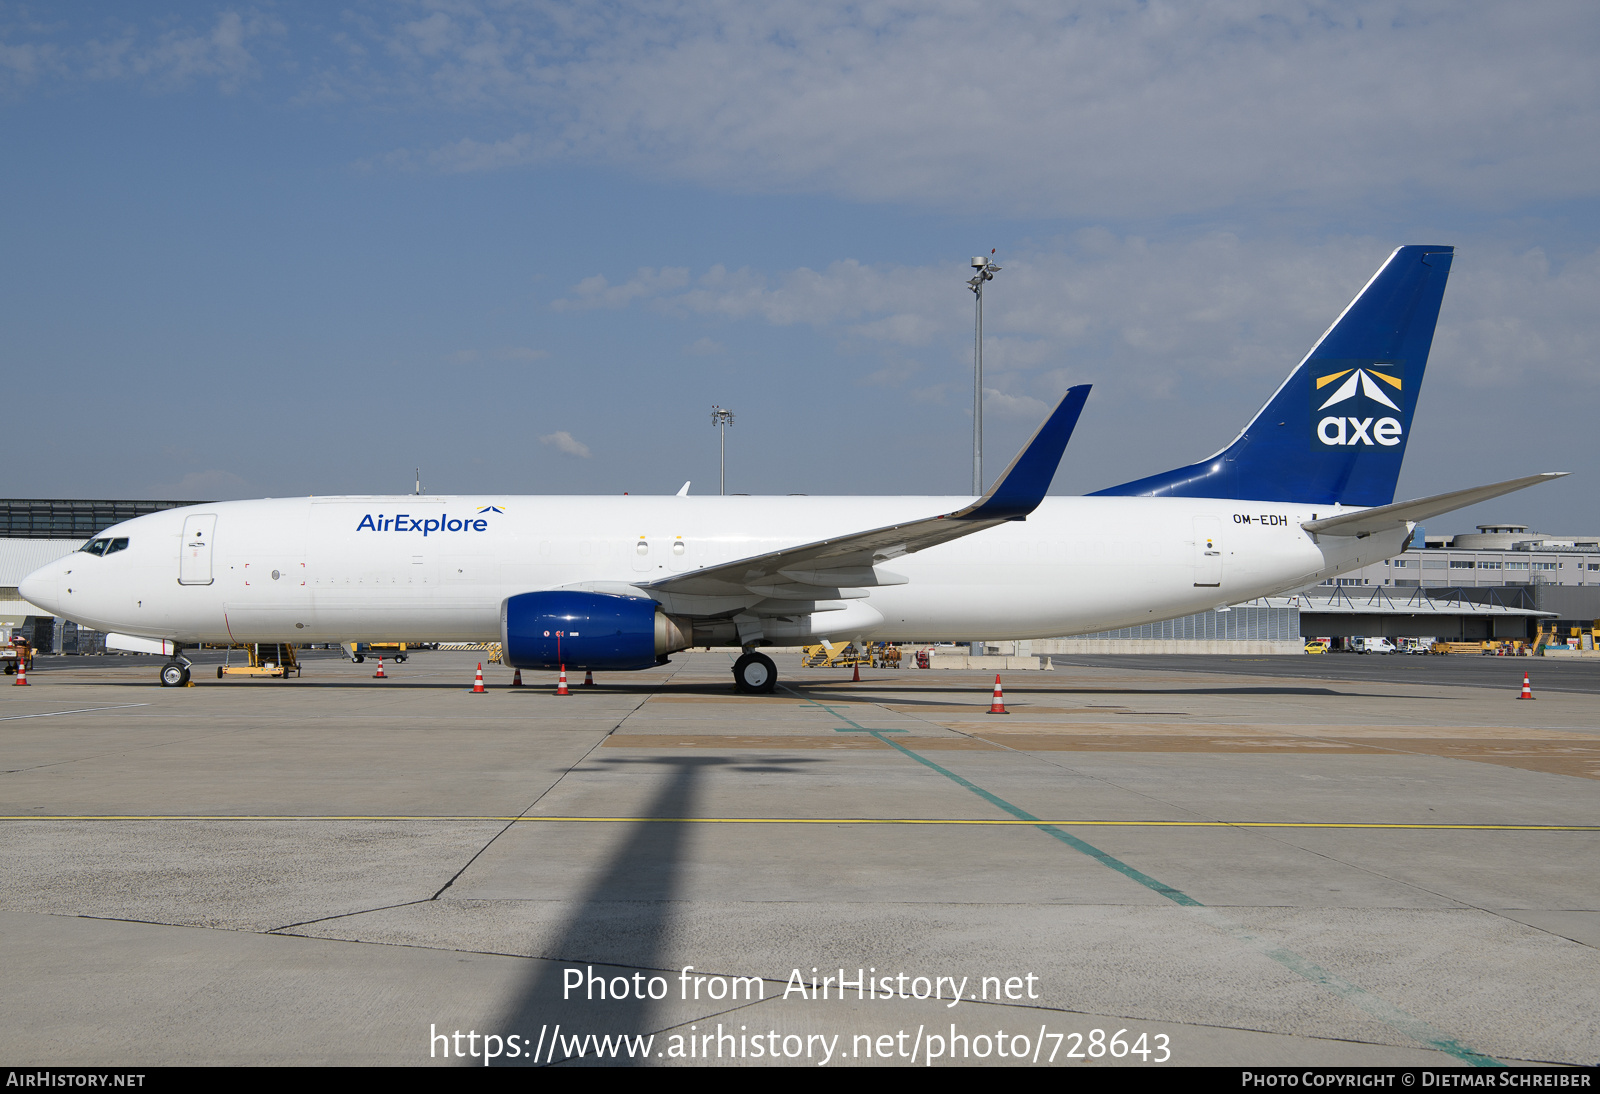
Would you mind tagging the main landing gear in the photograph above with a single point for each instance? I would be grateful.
(175, 674)
(755, 674)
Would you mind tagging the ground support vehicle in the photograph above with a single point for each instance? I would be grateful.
(16, 652)
(271, 659)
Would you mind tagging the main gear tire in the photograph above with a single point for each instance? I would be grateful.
(755, 674)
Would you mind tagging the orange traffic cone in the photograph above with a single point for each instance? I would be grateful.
(1527, 688)
(998, 706)
(516, 679)
(561, 684)
(855, 677)
(22, 674)
(379, 674)
(588, 678)
(477, 685)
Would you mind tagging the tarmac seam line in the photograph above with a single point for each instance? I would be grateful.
(541, 796)
(1030, 822)
(80, 710)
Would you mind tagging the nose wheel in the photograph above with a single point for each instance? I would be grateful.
(755, 674)
(174, 674)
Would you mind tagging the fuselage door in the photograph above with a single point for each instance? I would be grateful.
(642, 558)
(1207, 552)
(194, 565)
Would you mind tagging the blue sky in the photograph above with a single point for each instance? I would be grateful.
(273, 249)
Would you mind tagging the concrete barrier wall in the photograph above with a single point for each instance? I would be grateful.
(1158, 645)
(989, 663)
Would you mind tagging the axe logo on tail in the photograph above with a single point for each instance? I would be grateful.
(1357, 404)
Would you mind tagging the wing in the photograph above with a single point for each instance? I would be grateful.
(844, 567)
(1385, 517)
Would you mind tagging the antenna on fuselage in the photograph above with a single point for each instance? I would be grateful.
(418, 490)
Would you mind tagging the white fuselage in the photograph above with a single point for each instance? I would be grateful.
(338, 568)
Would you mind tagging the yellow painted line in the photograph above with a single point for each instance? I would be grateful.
(826, 820)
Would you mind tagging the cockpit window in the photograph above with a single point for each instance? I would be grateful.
(105, 546)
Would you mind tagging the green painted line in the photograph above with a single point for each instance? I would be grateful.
(1174, 895)
(855, 727)
(1357, 996)
(1354, 994)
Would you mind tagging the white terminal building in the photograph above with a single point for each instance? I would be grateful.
(1497, 554)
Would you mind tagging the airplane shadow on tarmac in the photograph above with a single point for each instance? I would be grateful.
(626, 918)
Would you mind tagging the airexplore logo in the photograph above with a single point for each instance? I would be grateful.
(405, 522)
(1364, 391)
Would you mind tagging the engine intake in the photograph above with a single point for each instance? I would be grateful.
(584, 630)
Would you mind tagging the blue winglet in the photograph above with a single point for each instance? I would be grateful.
(1020, 489)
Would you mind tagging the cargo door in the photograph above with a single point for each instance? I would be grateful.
(194, 565)
(1207, 552)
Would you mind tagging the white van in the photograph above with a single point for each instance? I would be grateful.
(1374, 645)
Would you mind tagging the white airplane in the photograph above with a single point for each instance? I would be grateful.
(617, 583)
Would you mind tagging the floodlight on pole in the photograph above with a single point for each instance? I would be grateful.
(722, 419)
(985, 269)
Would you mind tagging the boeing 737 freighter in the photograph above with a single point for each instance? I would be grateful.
(1304, 492)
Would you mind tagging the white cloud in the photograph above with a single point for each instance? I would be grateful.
(1014, 406)
(1517, 319)
(1103, 109)
(520, 353)
(467, 155)
(1182, 318)
(896, 373)
(23, 64)
(705, 347)
(177, 56)
(597, 292)
(565, 442)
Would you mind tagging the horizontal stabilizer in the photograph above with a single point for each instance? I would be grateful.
(828, 562)
(1385, 517)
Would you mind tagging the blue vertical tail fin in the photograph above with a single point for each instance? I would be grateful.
(1336, 431)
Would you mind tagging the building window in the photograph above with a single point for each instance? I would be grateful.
(1460, 564)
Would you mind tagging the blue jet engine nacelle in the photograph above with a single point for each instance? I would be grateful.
(584, 630)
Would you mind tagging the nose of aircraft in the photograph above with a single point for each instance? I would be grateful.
(43, 588)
